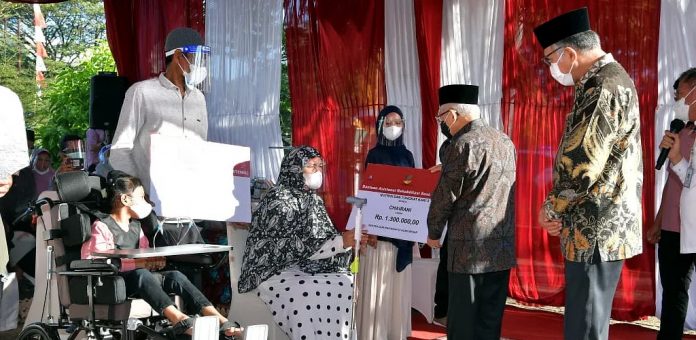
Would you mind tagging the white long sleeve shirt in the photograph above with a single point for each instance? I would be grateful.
(687, 204)
(155, 106)
(13, 148)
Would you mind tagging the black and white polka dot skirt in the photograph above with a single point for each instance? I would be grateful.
(310, 306)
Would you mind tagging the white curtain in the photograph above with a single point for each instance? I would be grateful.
(676, 54)
(401, 71)
(472, 51)
(245, 40)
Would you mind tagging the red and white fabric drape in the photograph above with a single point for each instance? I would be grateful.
(336, 67)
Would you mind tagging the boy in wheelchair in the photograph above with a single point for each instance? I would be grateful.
(121, 230)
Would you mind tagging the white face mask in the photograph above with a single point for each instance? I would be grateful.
(196, 74)
(40, 172)
(313, 181)
(565, 79)
(141, 210)
(681, 109)
(392, 132)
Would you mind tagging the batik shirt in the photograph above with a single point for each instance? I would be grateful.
(598, 172)
(475, 199)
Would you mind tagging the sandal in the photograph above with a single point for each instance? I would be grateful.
(182, 326)
(229, 325)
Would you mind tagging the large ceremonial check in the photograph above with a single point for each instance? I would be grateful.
(398, 200)
(200, 180)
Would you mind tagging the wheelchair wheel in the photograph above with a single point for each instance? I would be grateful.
(38, 331)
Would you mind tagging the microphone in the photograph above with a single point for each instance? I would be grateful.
(675, 126)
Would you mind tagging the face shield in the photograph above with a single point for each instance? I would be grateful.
(198, 58)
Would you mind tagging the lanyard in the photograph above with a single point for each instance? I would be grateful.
(690, 170)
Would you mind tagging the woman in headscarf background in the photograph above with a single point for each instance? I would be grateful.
(384, 306)
(296, 258)
(43, 172)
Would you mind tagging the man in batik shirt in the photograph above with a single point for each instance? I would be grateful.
(595, 202)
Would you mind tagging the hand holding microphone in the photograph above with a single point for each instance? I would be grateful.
(670, 144)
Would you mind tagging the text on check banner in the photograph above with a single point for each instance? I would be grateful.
(397, 202)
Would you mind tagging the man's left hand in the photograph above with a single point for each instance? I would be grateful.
(435, 244)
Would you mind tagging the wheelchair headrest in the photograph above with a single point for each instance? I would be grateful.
(75, 186)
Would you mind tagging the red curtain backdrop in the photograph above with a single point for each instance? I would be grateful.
(535, 106)
(428, 15)
(335, 55)
(136, 31)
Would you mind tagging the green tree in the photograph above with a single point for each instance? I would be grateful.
(66, 101)
(73, 27)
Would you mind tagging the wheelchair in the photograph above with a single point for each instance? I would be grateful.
(83, 298)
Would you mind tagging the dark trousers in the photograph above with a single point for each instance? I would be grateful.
(675, 276)
(476, 305)
(441, 283)
(154, 287)
(590, 289)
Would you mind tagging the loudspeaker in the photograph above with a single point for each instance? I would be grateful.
(105, 100)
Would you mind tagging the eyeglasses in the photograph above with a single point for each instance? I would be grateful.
(441, 117)
(548, 61)
(395, 122)
(315, 166)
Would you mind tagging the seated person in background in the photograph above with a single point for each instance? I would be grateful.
(96, 138)
(295, 256)
(72, 154)
(43, 172)
(121, 230)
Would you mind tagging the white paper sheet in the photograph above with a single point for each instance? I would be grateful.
(13, 139)
(200, 180)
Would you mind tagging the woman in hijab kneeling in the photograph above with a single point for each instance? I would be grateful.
(295, 258)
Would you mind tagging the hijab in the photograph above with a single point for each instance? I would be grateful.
(289, 225)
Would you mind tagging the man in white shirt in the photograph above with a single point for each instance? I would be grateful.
(170, 104)
(684, 166)
(670, 228)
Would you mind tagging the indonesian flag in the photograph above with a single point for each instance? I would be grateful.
(39, 39)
